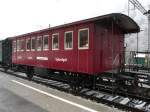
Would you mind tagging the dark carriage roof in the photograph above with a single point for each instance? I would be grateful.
(124, 22)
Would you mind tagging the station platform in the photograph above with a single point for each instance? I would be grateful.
(20, 95)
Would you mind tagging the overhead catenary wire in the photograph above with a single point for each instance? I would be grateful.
(138, 5)
(145, 12)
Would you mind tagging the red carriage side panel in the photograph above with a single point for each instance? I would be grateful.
(74, 59)
(64, 58)
(97, 57)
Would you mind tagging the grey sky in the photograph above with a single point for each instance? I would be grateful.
(22, 16)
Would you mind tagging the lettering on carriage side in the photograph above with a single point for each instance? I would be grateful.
(42, 58)
(61, 59)
(29, 58)
(19, 57)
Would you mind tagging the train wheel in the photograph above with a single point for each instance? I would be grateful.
(148, 93)
(29, 72)
(5, 69)
(30, 76)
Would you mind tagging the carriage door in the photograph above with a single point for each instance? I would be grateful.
(83, 50)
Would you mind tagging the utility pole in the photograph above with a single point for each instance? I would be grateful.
(149, 31)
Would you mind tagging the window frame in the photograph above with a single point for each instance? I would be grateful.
(82, 29)
(45, 49)
(39, 37)
(18, 45)
(27, 45)
(27, 39)
(52, 41)
(65, 40)
(21, 44)
(31, 43)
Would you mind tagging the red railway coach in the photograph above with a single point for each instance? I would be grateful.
(91, 46)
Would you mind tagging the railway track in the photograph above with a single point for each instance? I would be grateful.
(119, 101)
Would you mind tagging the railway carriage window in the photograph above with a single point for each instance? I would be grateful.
(28, 44)
(45, 42)
(55, 41)
(39, 43)
(21, 45)
(68, 40)
(18, 45)
(83, 38)
(14, 46)
(33, 44)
